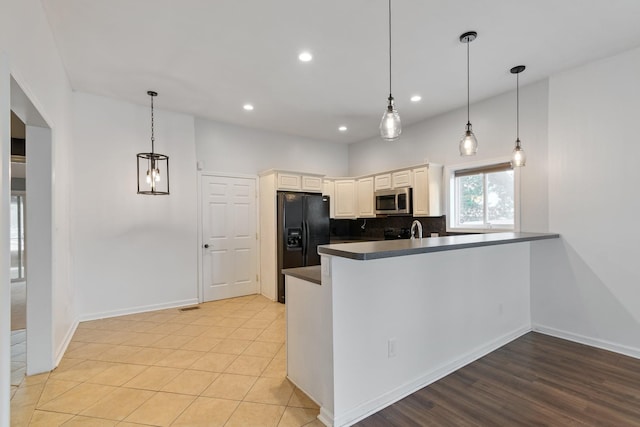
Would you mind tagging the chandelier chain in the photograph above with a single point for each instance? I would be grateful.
(152, 134)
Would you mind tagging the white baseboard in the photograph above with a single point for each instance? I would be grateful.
(138, 309)
(593, 342)
(325, 417)
(372, 406)
(268, 296)
(62, 348)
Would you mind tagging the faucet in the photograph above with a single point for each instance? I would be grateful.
(415, 224)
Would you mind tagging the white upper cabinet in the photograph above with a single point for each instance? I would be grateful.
(299, 182)
(345, 198)
(382, 182)
(312, 183)
(396, 179)
(288, 181)
(328, 189)
(421, 191)
(352, 198)
(365, 198)
(427, 191)
(402, 178)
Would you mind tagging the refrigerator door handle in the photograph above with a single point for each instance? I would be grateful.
(306, 252)
(306, 246)
(304, 242)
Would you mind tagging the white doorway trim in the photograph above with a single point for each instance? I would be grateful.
(15, 95)
(38, 225)
(5, 254)
(199, 219)
(39, 243)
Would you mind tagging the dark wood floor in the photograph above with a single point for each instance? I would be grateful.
(534, 380)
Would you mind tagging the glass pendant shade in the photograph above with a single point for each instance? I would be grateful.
(518, 158)
(390, 125)
(153, 168)
(468, 143)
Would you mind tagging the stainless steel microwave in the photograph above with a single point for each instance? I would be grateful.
(394, 202)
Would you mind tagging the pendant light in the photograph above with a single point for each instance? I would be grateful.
(518, 157)
(153, 168)
(390, 125)
(468, 143)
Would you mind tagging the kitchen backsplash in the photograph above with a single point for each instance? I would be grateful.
(373, 228)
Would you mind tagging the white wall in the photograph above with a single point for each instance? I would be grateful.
(131, 252)
(440, 315)
(589, 290)
(494, 123)
(33, 61)
(228, 148)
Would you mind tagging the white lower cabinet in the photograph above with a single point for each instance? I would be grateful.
(366, 207)
(345, 198)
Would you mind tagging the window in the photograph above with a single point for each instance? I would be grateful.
(482, 197)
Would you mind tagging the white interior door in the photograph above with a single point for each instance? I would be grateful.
(229, 264)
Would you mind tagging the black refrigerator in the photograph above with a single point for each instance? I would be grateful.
(303, 224)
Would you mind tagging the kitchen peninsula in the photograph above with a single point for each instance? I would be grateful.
(389, 317)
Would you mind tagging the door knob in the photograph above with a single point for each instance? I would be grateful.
(206, 246)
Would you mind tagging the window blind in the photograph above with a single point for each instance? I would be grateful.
(500, 167)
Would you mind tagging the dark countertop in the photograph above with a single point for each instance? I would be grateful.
(338, 240)
(311, 274)
(392, 248)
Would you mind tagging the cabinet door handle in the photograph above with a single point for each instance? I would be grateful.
(206, 246)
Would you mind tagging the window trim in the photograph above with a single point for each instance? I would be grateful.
(449, 177)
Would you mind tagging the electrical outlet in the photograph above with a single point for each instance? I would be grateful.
(392, 347)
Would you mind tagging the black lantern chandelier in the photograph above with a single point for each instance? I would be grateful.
(153, 168)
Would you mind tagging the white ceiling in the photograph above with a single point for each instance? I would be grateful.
(209, 57)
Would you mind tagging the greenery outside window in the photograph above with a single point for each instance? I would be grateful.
(483, 197)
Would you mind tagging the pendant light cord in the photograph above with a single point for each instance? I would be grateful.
(518, 106)
(468, 115)
(390, 50)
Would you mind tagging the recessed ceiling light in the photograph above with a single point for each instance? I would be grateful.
(305, 57)
(416, 98)
(248, 107)
(342, 128)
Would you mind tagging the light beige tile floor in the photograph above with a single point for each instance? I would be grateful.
(18, 358)
(223, 364)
